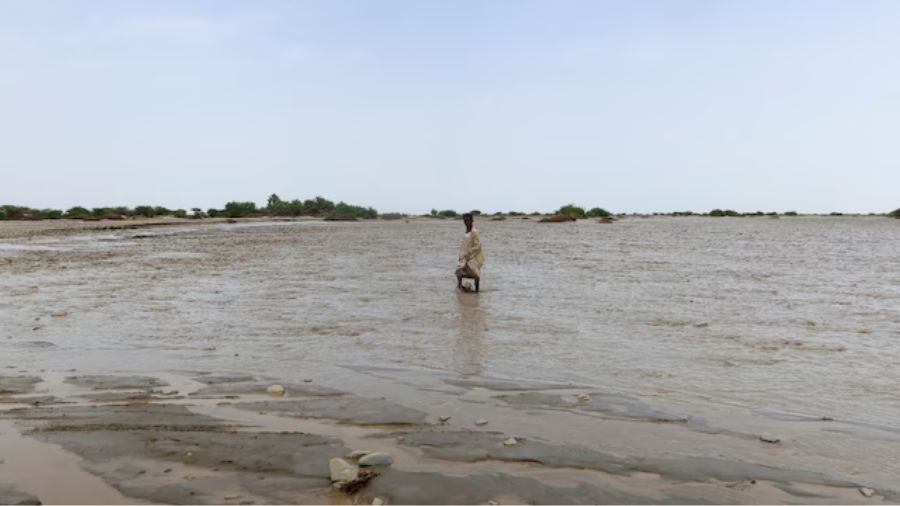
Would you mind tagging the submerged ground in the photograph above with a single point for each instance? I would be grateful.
(724, 360)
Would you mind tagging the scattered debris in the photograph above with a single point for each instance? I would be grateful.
(769, 439)
(276, 390)
(584, 397)
(866, 491)
(511, 442)
(444, 419)
(481, 421)
(59, 313)
(826, 419)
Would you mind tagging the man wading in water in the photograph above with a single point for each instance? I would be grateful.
(470, 257)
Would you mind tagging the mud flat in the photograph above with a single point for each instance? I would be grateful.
(657, 360)
(238, 444)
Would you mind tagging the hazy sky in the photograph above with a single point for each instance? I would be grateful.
(495, 105)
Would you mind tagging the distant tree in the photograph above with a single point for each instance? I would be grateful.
(15, 212)
(791, 213)
(146, 211)
(77, 213)
(895, 213)
(277, 207)
(179, 213)
(214, 213)
(434, 212)
(598, 212)
(198, 213)
(836, 214)
(448, 213)
(571, 210)
(239, 209)
(475, 212)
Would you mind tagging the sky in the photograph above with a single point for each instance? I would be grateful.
(634, 106)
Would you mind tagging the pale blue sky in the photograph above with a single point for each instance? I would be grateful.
(496, 105)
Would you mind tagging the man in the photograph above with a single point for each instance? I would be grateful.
(470, 257)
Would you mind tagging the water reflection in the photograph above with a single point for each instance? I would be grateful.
(468, 356)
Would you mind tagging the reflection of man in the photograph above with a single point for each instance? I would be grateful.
(470, 257)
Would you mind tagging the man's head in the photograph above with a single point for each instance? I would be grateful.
(468, 220)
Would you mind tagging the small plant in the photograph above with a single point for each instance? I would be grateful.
(571, 210)
(598, 212)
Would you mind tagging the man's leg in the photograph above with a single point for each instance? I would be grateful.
(477, 282)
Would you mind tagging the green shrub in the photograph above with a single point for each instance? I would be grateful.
(895, 213)
(78, 213)
(791, 213)
(448, 213)
(571, 210)
(598, 212)
(145, 211)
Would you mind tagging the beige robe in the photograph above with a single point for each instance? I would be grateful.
(470, 255)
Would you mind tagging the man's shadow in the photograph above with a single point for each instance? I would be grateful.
(468, 353)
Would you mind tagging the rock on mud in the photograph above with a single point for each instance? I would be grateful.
(276, 390)
(342, 471)
(376, 459)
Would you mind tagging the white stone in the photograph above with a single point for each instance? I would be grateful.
(584, 397)
(511, 442)
(357, 454)
(59, 313)
(376, 459)
(866, 491)
(275, 390)
(481, 421)
(444, 419)
(342, 471)
(377, 501)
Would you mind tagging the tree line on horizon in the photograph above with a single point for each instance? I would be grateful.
(320, 207)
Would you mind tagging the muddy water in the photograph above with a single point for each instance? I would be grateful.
(734, 319)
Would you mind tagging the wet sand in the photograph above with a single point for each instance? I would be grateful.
(134, 368)
(173, 441)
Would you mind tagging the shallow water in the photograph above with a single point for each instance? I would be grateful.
(794, 315)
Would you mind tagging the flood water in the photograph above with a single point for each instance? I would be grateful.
(798, 315)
